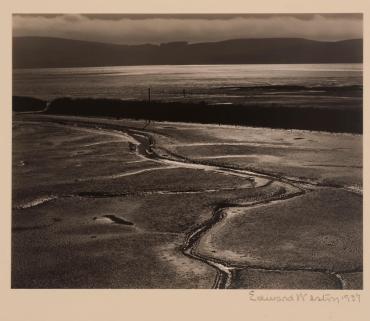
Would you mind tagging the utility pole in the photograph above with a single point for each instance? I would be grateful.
(149, 94)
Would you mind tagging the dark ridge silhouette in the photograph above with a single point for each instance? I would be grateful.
(331, 119)
(42, 52)
(28, 104)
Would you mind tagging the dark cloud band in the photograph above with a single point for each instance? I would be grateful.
(158, 28)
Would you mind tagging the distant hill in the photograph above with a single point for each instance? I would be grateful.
(39, 52)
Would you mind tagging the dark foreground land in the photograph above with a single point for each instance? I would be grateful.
(107, 203)
(332, 115)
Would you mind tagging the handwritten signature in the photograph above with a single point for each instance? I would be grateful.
(305, 297)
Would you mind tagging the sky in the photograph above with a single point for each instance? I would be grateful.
(159, 28)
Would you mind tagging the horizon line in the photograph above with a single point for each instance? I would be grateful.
(184, 41)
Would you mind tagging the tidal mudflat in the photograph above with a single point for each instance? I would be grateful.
(105, 203)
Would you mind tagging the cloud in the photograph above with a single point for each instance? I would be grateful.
(193, 28)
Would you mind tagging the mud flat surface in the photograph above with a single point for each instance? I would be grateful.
(104, 203)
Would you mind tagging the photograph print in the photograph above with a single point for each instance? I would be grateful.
(187, 151)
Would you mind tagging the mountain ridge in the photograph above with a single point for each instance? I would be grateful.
(48, 52)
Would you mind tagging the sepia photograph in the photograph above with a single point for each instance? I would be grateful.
(187, 151)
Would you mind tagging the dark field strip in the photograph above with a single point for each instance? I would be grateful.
(352, 90)
(335, 118)
(24, 104)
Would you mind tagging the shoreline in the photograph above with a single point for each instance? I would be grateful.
(204, 125)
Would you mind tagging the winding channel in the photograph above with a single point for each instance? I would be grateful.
(144, 144)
